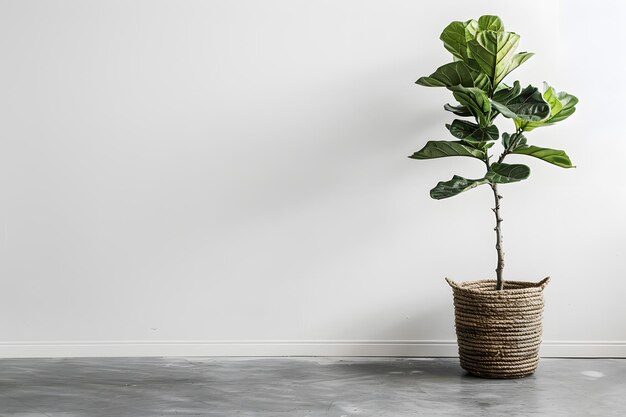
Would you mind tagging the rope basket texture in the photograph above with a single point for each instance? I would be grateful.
(498, 332)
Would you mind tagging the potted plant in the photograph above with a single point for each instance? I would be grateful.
(498, 322)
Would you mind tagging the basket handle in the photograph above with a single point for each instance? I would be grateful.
(452, 283)
(542, 284)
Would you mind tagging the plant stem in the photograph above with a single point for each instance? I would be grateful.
(496, 210)
(497, 197)
(500, 266)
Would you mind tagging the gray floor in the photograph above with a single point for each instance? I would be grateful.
(304, 387)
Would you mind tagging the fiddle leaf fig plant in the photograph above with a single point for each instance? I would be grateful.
(483, 55)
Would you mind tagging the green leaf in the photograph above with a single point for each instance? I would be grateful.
(456, 36)
(500, 173)
(507, 140)
(553, 156)
(550, 96)
(455, 73)
(489, 22)
(456, 185)
(569, 107)
(562, 105)
(493, 52)
(517, 60)
(528, 105)
(504, 93)
(458, 110)
(443, 148)
(473, 133)
(476, 101)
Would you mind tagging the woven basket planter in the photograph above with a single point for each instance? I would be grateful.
(498, 332)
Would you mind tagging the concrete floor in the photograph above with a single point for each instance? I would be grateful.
(277, 387)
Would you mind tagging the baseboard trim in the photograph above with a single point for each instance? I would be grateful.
(381, 348)
(431, 348)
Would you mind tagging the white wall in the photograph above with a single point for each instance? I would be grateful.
(230, 177)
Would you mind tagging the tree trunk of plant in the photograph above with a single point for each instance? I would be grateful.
(497, 197)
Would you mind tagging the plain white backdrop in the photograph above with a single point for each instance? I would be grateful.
(231, 177)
